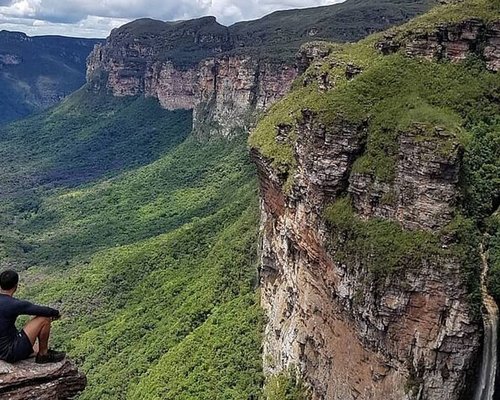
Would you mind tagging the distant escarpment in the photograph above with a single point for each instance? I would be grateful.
(374, 201)
(37, 72)
(229, 74)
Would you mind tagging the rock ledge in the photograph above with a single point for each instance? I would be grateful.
(29, 381)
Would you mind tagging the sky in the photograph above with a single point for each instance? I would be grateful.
(96, 18)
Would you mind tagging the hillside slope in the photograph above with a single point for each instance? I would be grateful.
(37, 72)
(150, 257)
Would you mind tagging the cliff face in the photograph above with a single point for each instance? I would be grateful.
(332, 227)
(352, 337)
(452, 42)
(223, 90)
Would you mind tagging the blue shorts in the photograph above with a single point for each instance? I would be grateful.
(21, 348)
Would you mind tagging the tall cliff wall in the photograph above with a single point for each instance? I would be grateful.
(367, 280)
(223, 90)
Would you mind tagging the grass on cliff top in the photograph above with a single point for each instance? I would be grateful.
(485, 10)
(392, 94)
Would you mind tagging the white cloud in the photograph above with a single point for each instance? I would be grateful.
(95, 18)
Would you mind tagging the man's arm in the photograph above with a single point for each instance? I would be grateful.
(27, 308)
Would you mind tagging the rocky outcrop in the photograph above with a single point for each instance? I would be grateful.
(424, 192)
(354, 338)
(29, 381)
(227, 75)
(453, 42)
(230, 90)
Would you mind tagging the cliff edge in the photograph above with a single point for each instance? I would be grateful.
(228, 75)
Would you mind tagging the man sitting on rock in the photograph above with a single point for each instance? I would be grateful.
(14, 345)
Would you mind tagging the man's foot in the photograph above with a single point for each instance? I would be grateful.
(52, 356)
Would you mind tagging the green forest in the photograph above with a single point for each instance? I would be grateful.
(147, 245)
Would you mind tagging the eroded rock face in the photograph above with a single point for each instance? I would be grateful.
(351, 337)
(408, 335)
(425, 189)
(224, 91)
(229, 90)
(29, 381)
(453, 42)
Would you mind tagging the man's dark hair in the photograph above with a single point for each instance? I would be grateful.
(8, 279)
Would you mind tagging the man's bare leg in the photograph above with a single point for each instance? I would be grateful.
(36, 349)
(39, 328)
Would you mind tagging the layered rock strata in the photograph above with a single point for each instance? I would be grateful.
(353, 338)
(225, 91)
(454, 42)
(228, 75)
(410, 335)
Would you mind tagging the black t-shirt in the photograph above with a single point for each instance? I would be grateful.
(10, 309)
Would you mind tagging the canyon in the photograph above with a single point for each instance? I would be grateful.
(372, 253)
(228, 75)
(411, 335)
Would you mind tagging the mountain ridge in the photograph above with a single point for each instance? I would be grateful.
(347, 21)
(36, 72)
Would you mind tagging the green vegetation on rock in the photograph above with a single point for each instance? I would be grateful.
(286, 386)
(383, 245)
(387, 250)
(493, 248)
(37, 72)
(275, 37)
(452, 13)
(481, 178)
(392, 94)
